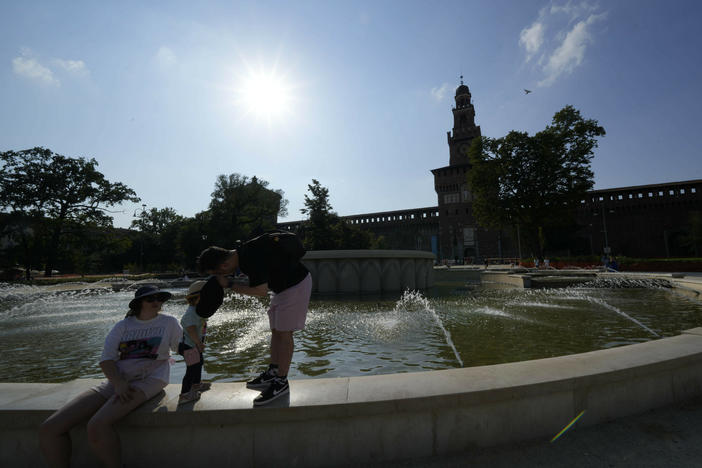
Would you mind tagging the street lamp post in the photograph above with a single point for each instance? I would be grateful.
(604, 228)
(142, 214)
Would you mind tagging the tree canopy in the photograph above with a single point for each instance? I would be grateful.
(535, 182)
(242, 207)
(38, 183)
(325, 230)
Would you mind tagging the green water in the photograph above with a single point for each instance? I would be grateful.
(55, 337)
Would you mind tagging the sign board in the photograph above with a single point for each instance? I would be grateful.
(468, 236)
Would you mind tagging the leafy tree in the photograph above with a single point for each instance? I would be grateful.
(192, 238)
(242, 207)
(159, 232)
(692, 237)
(65, 191)
(318, 232)
(325, 230)
(536, 181)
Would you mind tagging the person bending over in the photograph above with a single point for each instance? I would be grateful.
(272, 262)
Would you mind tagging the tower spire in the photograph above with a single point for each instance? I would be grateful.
(461, 79)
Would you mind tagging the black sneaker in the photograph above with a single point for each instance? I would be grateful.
(278, 388)
(263, 381)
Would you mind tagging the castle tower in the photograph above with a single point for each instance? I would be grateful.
(457, 228)
(464, 128)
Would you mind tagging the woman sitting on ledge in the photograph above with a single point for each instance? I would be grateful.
(135, 362)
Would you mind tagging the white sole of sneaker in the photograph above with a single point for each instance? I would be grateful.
(275, 397)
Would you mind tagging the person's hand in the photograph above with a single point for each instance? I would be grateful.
(200, 346)
(124, 392)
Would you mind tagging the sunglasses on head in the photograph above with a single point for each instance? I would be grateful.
(153, 298)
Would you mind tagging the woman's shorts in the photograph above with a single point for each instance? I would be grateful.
(151, 386)
(288, 309)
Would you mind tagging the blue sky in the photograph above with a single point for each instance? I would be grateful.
(165, 95)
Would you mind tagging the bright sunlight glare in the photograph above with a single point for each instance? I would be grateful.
(266, 95)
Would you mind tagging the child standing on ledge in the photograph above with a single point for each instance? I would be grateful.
(192, 346)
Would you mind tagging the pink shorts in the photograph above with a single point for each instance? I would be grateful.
(150, 386)
(288, 309)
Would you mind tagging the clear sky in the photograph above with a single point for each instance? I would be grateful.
(358, 95)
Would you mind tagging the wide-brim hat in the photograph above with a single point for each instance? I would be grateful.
(149, 290)
(195, 288)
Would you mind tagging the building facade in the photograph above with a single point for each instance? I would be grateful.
(640, 221)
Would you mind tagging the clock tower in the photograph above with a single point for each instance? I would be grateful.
(464, 128)
(458, 233)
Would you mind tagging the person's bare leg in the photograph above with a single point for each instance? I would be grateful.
(282, 346)
(54, 437)
(102, 436)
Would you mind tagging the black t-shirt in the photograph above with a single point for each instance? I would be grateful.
(264, 262)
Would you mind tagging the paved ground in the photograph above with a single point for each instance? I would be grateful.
(667, 437)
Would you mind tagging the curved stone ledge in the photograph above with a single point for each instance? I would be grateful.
(369, 271)
(375, 418)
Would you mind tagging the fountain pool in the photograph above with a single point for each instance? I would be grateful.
(53, 336)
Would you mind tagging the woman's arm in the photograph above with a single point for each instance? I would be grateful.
(123, 391)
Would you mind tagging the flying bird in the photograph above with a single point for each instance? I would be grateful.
(527, 91)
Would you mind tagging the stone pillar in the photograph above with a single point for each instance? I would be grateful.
(327, 272)
(348, 279)
(370, 273)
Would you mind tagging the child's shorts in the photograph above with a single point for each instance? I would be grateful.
(288, 309)
(151, 386)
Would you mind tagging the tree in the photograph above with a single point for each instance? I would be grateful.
(159, 233)
(64, 191)
(318, 229)
(325, 230)
(242, 207)
(534, 182)
(692, 236)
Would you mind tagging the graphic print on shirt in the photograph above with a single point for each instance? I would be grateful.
(141, 343)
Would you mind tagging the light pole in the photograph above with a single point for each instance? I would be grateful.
(141, 214)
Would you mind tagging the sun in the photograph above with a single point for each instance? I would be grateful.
(265, 94)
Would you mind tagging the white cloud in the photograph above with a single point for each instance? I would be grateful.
(76, 67)
(440, 93)
(32, 69)
(531, 39)
(569, 36)
(165, 57)
(570, 53)
(573, 10)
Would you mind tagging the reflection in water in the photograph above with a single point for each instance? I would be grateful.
(57, 336)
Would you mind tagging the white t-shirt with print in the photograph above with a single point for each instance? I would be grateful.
(140, 348)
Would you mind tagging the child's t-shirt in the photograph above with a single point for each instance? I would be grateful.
(190, 318)
(140, 348)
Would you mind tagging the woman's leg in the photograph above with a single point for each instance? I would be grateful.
(103, 439)
(54, 438)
